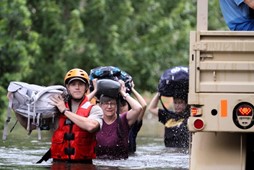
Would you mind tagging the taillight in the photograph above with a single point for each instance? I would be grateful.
(243, 115)
(198, 124)
(196, 111)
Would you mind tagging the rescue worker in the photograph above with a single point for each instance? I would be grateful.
(74, 140)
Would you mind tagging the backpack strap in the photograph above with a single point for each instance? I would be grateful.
(47, 89)
(38, 127)
(28, 117)
(14, 126)
(34, 109)
(8, 117)
(164, 107)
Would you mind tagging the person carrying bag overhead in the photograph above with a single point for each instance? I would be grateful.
(174, 82)
(112, 139)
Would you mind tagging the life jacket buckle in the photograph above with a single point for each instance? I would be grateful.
(69, 136)
(68, 122)
(69, 151)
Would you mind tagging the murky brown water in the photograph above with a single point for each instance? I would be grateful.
(21, 151)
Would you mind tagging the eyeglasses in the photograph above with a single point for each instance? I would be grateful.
(109, 104)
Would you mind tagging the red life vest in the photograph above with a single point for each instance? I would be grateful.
(70, 142)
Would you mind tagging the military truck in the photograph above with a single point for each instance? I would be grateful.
(221, 96)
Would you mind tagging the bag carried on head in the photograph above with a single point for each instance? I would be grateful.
(174, 81)
(108, 87)
(31, 104)
(110, 72)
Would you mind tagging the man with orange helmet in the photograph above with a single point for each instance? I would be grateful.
(74, 140)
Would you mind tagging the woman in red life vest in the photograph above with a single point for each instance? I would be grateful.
(74, 140)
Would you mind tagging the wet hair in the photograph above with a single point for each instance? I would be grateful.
(183, 96)
(104, 98)
(124, 102)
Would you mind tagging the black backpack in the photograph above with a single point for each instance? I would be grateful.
(112, 73)
(174, 82)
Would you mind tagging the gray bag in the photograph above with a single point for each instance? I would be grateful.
(31, 102)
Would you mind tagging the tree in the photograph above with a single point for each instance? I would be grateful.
(42, 40)
(18, 44)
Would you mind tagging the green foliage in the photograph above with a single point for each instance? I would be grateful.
(18, 44)
(42, 40)
(215, 18)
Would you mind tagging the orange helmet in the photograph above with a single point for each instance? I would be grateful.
(76, 74)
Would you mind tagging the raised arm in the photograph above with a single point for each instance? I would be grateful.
(153, 106)
(142, 102)
(93, 93)
(136, 108)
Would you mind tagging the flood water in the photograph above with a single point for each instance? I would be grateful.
(21, 151)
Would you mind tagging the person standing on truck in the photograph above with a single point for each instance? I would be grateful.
(174, 82)
(238, 14)
(74, 140)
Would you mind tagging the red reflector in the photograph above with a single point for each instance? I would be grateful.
(194, 111)
(198, 124)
